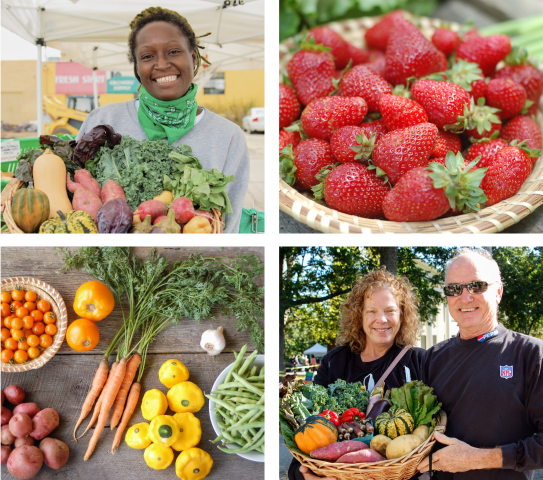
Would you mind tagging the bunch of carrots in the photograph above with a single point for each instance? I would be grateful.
(156, 296)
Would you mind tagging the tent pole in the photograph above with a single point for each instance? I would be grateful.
(94, 79)
(39, 86)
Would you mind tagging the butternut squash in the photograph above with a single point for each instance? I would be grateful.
(50, 177)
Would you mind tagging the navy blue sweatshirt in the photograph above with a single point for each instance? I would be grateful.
(342, 363)
(492, 392)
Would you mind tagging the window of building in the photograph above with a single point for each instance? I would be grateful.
(215, 85)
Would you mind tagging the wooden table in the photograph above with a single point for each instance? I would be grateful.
(65, 380)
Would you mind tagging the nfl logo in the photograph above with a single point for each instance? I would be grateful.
(506, 372)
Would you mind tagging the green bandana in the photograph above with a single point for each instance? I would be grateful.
(169, 119)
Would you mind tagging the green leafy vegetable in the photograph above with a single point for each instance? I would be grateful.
(418, 399)
(343, 395)
(316, 396)
(288, 434)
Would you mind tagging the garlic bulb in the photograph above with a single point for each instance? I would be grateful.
(213, 341)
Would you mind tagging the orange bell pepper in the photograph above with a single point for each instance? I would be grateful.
(93, 301)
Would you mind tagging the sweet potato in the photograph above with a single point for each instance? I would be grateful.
(55, 452)
(362, 456)
(111, 190)
(183, 208)
(26, 440)
(44, 422)
(155, 208)
(84, 199)
(25, 462)
(336, 450)
(29, 408)
(14, 394)
(6, 450)
(7, 436)
(6, 415)
(20, 424)
(85, 179)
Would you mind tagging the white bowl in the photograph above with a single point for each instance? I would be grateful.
(253, 456)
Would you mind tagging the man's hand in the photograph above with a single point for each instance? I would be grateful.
(458, 456)
(308, 475)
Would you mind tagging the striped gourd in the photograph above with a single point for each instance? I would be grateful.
(29, 208)
(394, 423)
(75, 221)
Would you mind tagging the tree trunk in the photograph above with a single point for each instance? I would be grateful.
(389, 259)
(282, 311)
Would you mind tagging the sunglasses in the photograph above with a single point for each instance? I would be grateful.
(456, 289)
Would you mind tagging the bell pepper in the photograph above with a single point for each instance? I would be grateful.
(352, 415)
(332, 416)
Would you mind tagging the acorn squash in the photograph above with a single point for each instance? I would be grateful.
(30, 208)
(316, 432)
(75, 221)
(395, 422)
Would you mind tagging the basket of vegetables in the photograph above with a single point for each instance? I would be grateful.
(325, 187)
(405, 422)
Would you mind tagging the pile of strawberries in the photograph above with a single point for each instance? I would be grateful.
(379, 132)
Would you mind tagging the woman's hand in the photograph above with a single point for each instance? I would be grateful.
(308, 475)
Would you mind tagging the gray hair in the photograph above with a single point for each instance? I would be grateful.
(476, 254)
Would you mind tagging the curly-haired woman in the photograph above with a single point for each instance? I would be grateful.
(166, 57)
(379, 318)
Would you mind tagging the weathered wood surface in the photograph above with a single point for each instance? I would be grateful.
(65, 380)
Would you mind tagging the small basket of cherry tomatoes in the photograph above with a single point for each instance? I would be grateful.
(34, 323)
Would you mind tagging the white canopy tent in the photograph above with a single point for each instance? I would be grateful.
(316, 350)
(95, 32)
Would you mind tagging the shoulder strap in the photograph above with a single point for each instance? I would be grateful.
(392, 365)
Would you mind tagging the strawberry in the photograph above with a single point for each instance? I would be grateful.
(483, 121)
(519, 69)
(507, 95)
(410, 54)
(377, 65)
(446, 142)
(462, 73)
(360, 81)
(289, 106)
(478, 89)
(487, 150)
(510, 168)
(446, 40)
(470, 35)
(400, 112)
(378, 127)
(311, 73)
(304, 162)
(444, 103)
(486, 52)
(354, 189)
(401, 150)
(523, 128)
(339, 47)
(358, 55)
(351, 144)
(426, 193)
(323, 116)
(286, 138)
(377, 36)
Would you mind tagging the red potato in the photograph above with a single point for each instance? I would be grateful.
(55, 452)
(20, 424)
(44, 423)
(111, 190)
(25, 462)
(155, 208)
(184, 210)
(6, 450)
(14, 394)
(7, 436)
(85, 179)
(6, 415)
(27, 440)
(336, 450)
(29, 408)
(362, 456)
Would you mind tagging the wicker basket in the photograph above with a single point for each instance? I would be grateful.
(47, 292)
(397, 469)
(318, 216)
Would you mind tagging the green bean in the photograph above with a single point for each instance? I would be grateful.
(220, 437)
(238, 394)
(255, 440)
(244, 400)
(247, 426)
(248, 407)
(247, 385)
(238, 360)
(248, 361)
(252, 373)
(220, 402)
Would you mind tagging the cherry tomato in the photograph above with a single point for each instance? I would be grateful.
(7, 321)
(17, 323)
(6, 297)
(14, 306)
(46, 340)
(49, 317)
(33, 352)
(44, 306)
(18, 294)
(33, 340)
(20, 356)
(30, 306)
(5, 334)
(51, 329)
(23, 345)
(17, 334)
(37, 315)
(5, 309)
(27, 332)
(38, 328)
(11, 344)
(28, 322)
(7, 355)
(22, 312)
(30, 296)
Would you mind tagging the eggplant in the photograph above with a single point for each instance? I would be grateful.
(379, 407)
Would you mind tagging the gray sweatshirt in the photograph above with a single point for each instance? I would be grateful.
(216, 142)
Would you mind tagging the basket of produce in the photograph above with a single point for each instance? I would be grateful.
(402, 437)
(34, 323)
(367, 119)
(106, 183)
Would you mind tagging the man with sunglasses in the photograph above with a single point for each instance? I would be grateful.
(489, 379)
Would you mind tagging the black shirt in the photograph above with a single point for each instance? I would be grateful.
(342, 363)
(492, 392)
